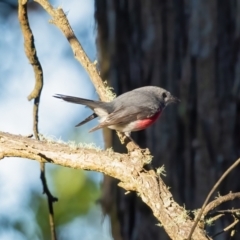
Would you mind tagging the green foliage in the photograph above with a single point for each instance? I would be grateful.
(76, 192)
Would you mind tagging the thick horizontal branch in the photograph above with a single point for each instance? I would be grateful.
(125, 167)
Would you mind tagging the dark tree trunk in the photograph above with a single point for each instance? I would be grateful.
(190, 48)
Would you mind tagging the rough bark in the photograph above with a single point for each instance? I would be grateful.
(125, 167)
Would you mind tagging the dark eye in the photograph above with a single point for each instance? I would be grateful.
(164, 95)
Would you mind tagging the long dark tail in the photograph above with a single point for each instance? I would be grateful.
(91, 117)
(89, 103)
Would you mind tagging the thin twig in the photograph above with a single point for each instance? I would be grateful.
(210, 194)
(221, 199)
(227, 228)
(51, 199)
(31, 54)
(218, 214)
(231, 211)
(215, 218)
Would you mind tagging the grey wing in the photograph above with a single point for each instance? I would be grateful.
(124, 116)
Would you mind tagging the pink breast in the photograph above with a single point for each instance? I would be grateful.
(144, 123)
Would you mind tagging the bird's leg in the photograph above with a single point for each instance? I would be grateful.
(128, 135)
(146, 151)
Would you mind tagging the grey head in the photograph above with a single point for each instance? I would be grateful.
(151, 96)
(162, 95)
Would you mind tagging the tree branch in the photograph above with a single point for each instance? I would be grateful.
(30, 49)
(235, 164)
(128, 168)
(60, 20)
(31, 54)
(231, 226)
(215, 203)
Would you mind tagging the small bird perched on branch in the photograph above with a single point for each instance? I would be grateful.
(132, 111)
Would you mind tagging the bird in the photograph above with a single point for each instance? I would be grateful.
(129, 112)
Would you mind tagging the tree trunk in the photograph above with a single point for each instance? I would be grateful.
(191, 48)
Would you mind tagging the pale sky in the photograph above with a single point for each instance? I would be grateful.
(62, 74)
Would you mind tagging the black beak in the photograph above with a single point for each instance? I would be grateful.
(173, 99)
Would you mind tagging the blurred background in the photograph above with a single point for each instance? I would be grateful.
(192, 49)
(189, 47)
(23, 207)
